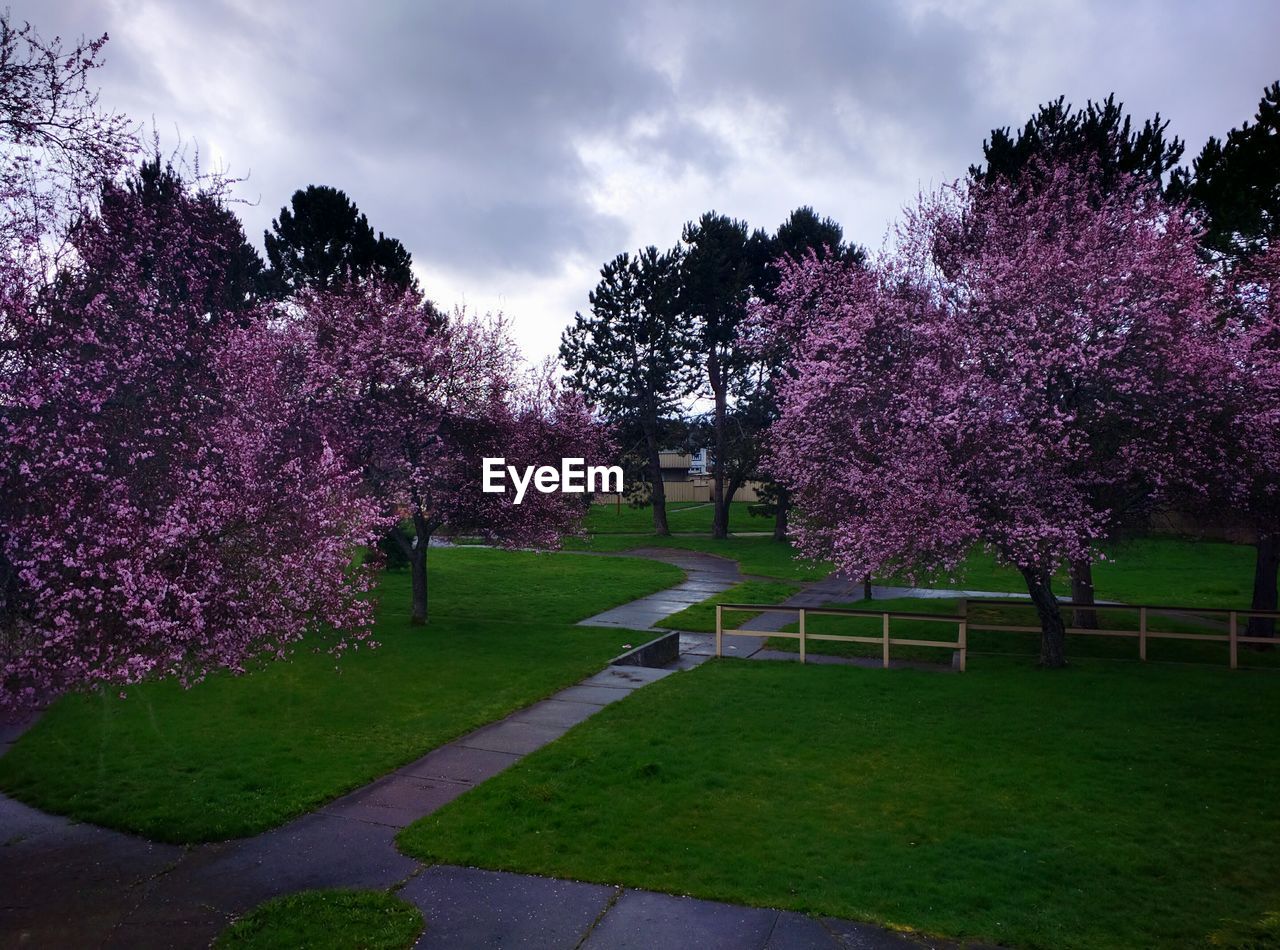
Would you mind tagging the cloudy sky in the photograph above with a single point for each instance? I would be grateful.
(514, 147)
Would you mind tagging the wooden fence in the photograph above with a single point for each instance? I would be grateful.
(885, 640)
(1144, 633)
(695, 490)
(964, 623)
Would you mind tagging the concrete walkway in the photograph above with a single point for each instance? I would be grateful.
(67, 884)
(546, 914)
(706, 575)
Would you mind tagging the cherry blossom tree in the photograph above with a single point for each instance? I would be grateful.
(169, 510)
(1244, 425)
(1018, 351)
(416, 402)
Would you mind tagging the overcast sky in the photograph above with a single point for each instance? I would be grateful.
(514, 147)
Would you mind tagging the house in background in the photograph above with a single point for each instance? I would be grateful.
(686, 476)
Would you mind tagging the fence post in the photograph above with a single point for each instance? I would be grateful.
(802, 645)
(1233, 627)
(719, 627)
(885, 631)
(1142, 633)
(964, 642)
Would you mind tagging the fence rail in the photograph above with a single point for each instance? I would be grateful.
(886, 639)
(964, 623)
(1232, 637)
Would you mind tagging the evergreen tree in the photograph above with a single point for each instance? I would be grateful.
(631, 355)
(322, 241)
(722, 265)
(157, 196)
(1236, 184)
(1101, 133)
(803, 233)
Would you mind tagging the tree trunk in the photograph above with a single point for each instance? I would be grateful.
(418, 568)
(1081, 571)
(866, 588)
(1265, 565)
(1053, 635)
(726, 504)
(720, 520)
(783, 504)
(658, 493)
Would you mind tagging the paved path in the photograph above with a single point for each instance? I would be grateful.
(545, 914)
(67, 884)
(706, 575)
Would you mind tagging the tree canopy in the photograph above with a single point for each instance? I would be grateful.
(1021, 347)
(322, 241)
(1101, 137)
(1236, 183)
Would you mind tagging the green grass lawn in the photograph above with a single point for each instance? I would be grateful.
(1110, 805)
(763, 556)
(1177, 571)
(326, 920)
(701, 617)
(236, 755)
(681, 516)
(1022, 644)
(1146, 570)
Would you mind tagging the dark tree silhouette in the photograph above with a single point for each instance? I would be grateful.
(159, 190)
(1236, 183)
(1101, 134)
(721, 265)
(803, 233)
(322, 241)
(631, 356)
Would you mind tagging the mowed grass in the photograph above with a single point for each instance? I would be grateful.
(1174, 571)
(236, 755)
(326, 920)
(761, 556)
(982, 642)
(681, 516)
(701, 617)
(1110, 805)
(1145, 570)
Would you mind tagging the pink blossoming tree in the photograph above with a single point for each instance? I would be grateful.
(416, 401)
(1014, 365)
(169, 509)
(1245, 426)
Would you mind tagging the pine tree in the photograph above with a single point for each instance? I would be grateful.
(322, 241)
(1236, 183)
(1106, 141)
(1101, 133)
(803, 233)
(722, 264)
(631, 354)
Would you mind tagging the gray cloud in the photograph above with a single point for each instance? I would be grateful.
(514, 146)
